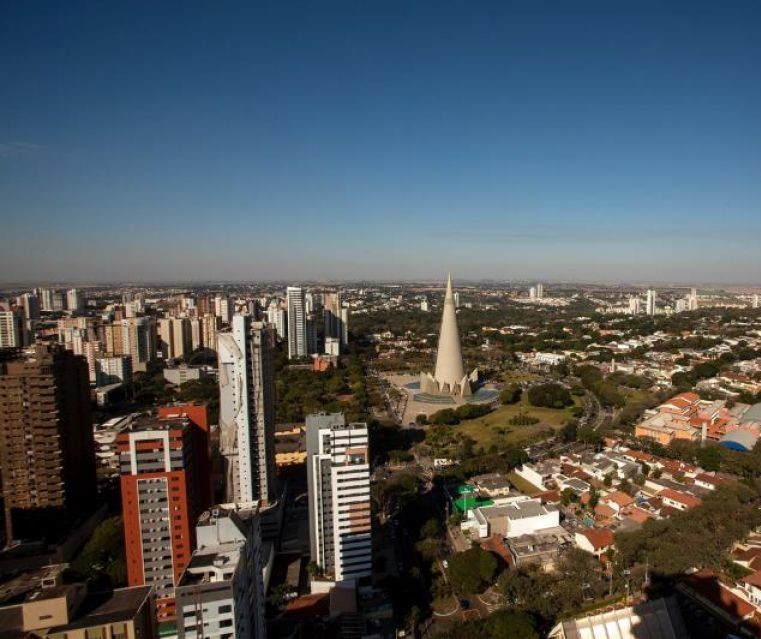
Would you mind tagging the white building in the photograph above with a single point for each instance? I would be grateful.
(74, 300)
(297, 323)
(651, 301)
(224, 308)
(11, 329)
(113, 370)
(247, 409)
(338, 473)
(424, 305)
(221, 593)
(635, 305)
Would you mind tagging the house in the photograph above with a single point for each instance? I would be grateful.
(492, 484)
(679, 500)
(617, 500)
(596, 541)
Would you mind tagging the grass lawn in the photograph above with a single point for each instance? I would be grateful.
(495, 429)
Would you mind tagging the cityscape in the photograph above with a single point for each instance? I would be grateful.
(320, 321)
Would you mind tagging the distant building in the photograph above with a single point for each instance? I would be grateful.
(651, 301)
(138, 336)
(12, 333)
(297, 329)
(335, 318)
(160, 502)
(221, 593)
(247, 410)
(338, 474)
(113, 370)
(178, 375)
(47, 454)
(635, 305)
(74, 300)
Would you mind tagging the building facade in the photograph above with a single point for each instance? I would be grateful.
(46, 441)
(221, 593)
(247, 410)
(160, 504)
(338, 475)
(297, 322)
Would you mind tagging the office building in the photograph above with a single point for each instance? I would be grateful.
(113, 370)
(160, 504)
(651, 301)
(12, 330)
(74, 300)
(297, 323)
(247, 409)
(46, 443)
(221, 593)
(338, 475)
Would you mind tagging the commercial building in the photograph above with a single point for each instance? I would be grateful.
(297, 322)
(160, 503)
(221, 592)
(38, 604)
(46, 443)
(338, 475)
(247, 410)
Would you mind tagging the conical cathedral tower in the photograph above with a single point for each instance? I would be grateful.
(449, 377)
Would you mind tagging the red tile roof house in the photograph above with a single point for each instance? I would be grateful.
(617, 500)
(595, 540)
(705, 588)
(679, 500)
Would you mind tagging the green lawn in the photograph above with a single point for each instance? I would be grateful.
(495, 429)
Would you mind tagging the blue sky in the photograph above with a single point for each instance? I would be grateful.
(274, 140)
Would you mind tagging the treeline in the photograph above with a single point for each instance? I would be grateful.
(700, 538)
(453, 416)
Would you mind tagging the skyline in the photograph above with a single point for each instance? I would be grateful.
(380, 142)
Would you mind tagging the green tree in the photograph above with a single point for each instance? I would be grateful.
(471, 570)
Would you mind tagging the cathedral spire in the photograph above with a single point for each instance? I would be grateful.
(449, 371)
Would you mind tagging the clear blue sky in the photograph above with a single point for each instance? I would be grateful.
(221, 140)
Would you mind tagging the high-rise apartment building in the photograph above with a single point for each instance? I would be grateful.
(756, 299)
(297, 322)
(46, 299)
(338, 474)
(160, 504)
(221, 593)
(74, 300)
(46, 438)
(335, 318)
(247, 409)
(12, 329)
(651, 301)
(209, 328)
(635, 304)
(30, 303)
(139, 341)
(224, 308)
(174, 337)
(692, 300)
(113, 370)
